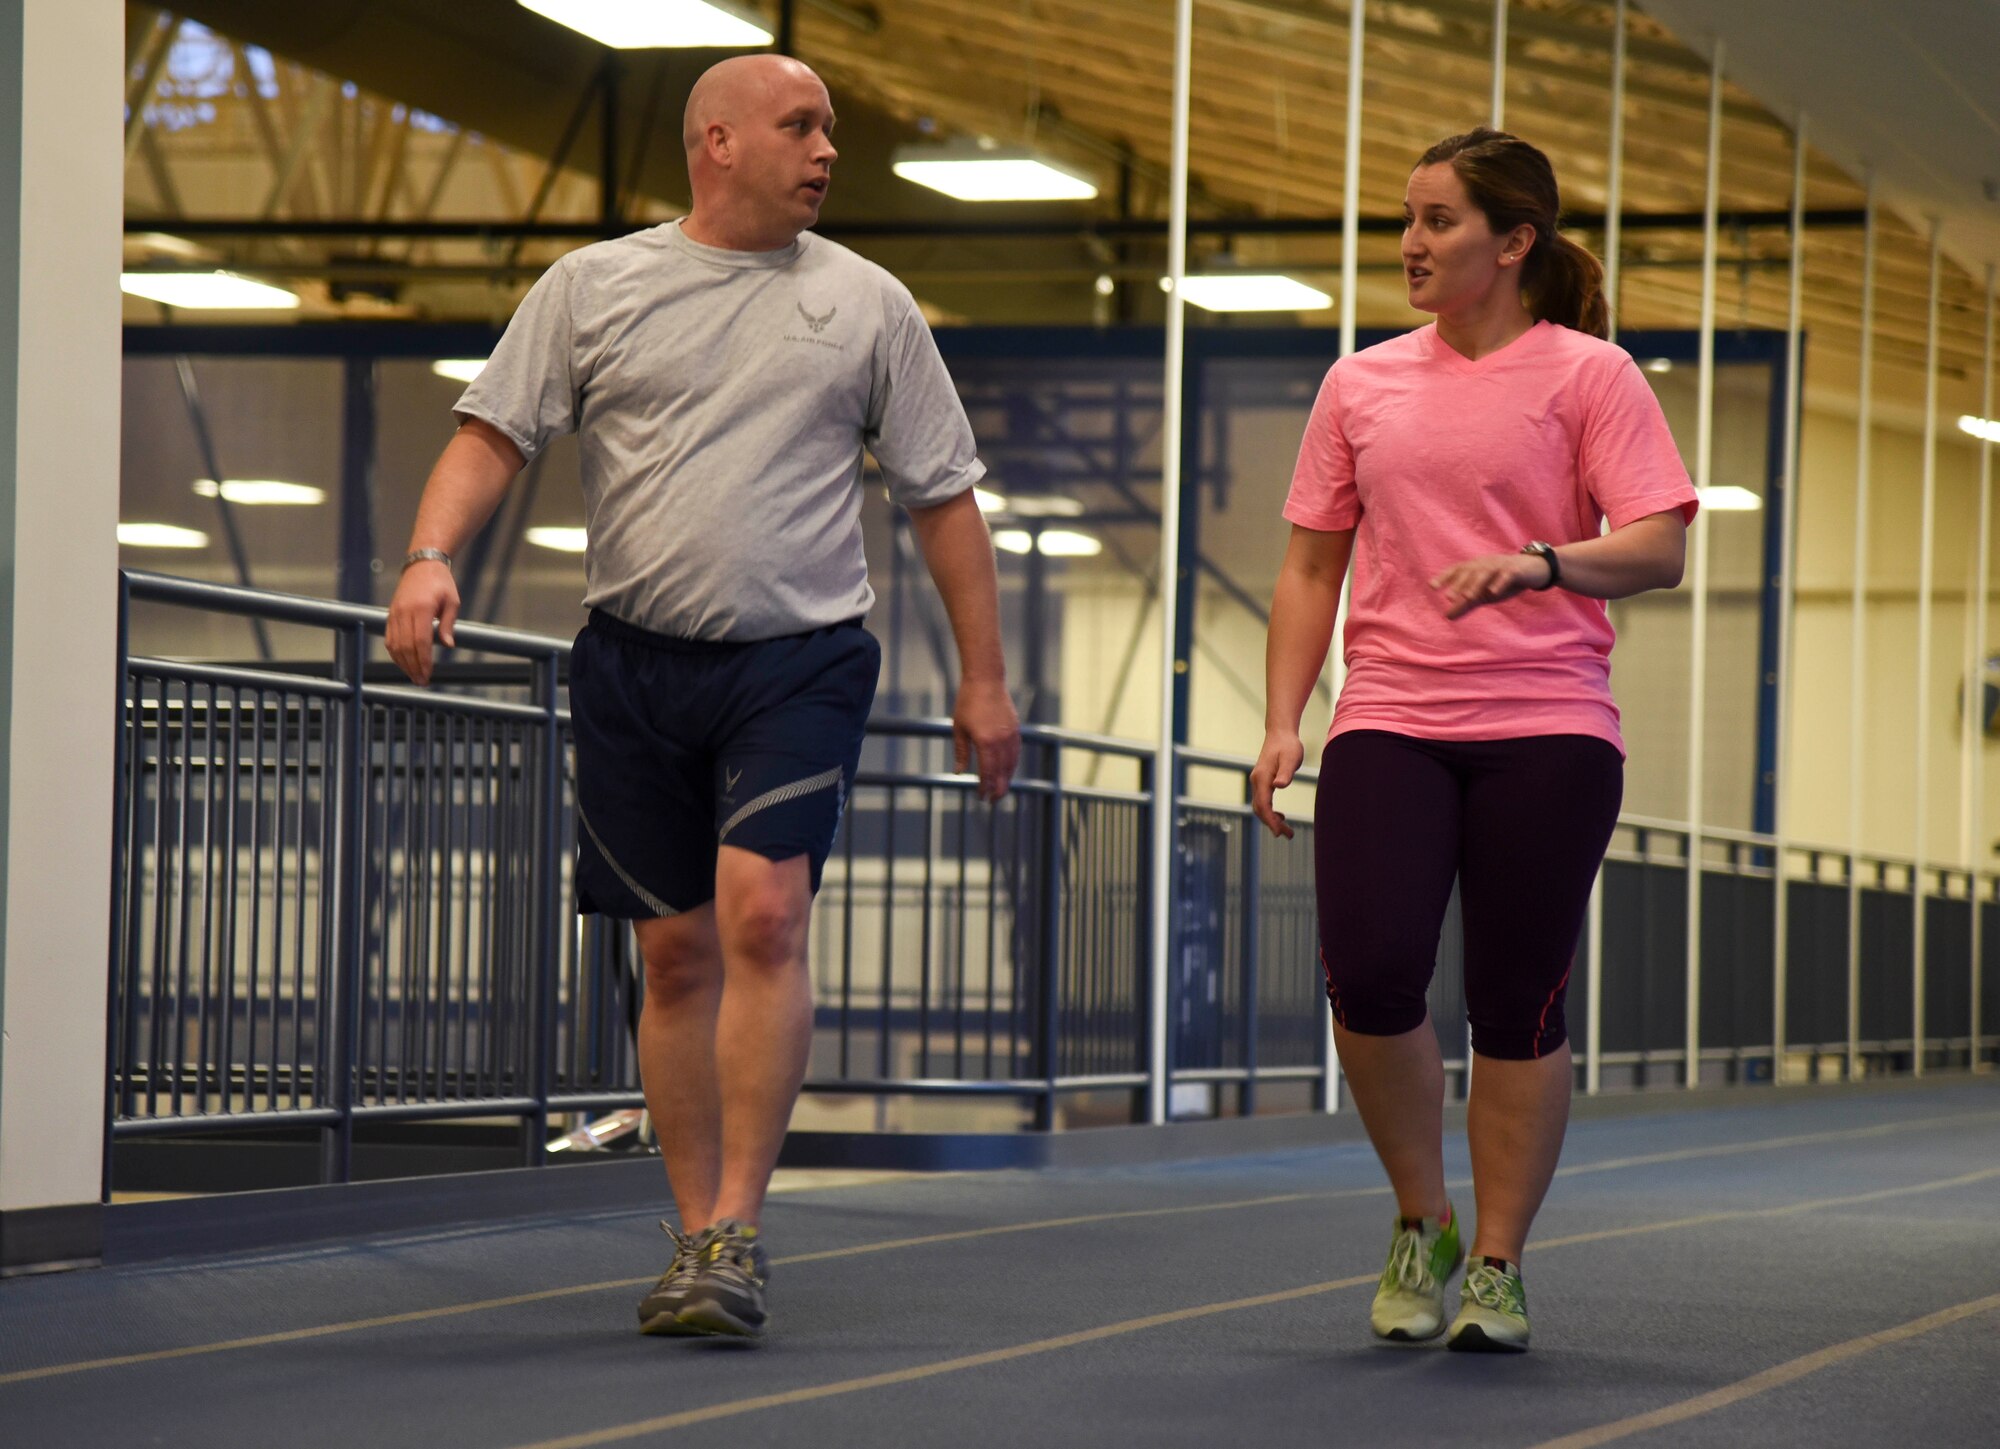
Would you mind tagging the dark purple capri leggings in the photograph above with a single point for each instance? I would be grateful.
(1522, 824)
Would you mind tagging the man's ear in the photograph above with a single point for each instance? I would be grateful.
(720, 143)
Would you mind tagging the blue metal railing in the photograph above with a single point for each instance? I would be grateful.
(339, 899)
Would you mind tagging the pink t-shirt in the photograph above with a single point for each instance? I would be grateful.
(1433, 459)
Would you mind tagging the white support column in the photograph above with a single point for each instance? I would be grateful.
(1350, 264)
(1788, 475)
(1698, 668)
(1164, 795)
(1350, 188)
(1857, 693)
(1926, 568)
(1614, 201)
(1614, 190)
(1350, 273)
(1499, 65)
(61, 209)
(1975, 764)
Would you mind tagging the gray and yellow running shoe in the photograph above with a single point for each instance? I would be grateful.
(726, 1295)
(659, 1310)
(1492, 1310)
(1409, 1301)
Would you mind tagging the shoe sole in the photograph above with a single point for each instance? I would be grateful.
(1474, 1339)
(666, 1325)
(715, 1321)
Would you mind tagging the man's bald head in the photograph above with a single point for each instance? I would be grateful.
(731, 89)
(759, 138)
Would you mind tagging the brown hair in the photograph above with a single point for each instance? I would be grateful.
(1513, 183)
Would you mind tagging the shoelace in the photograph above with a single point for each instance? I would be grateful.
(1490, 1287)
(730, 1259)
(685, 1261)
(1409, 1265)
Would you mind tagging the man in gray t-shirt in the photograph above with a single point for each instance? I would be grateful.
(724, 375)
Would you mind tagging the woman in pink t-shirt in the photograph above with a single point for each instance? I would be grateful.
(1468, 470)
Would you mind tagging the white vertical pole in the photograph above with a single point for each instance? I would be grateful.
(1614, 201)
(1926, 566)
(1164, 794)
(1499, 65)
(1975, 767)
(1350, 274)
(1614, 192)
(1350, 264)
(1858, 642)
(1350, 191)
(1704, 471)
(1787, 604)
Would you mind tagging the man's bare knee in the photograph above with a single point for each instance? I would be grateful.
(762, 909)
(683, 956)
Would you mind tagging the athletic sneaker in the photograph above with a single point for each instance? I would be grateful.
(727, 1291)
(1492, 1310)
(659, 1310)
(1409, 1301)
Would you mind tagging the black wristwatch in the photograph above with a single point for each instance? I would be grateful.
(1547, 551)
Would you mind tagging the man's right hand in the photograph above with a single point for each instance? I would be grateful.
(1281, 757)
(426, 595)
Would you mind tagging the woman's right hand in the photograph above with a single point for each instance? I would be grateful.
(1281, 757)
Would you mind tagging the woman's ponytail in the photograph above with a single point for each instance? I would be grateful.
(1566, 286)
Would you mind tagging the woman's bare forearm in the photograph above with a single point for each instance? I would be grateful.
(1303, 606)
(1648, 553)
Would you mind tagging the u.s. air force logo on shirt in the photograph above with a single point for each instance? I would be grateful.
(817, 323)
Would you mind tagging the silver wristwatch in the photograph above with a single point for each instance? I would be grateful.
(419, 555)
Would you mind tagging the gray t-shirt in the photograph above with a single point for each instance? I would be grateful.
(722, 401)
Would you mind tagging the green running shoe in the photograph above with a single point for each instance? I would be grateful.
(659, 1310)
(1492, 1310)
(1409, 1302)
(726, 1295)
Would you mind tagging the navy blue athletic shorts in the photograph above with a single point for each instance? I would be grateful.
(684, 746)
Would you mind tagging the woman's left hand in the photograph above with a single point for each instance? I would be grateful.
(1492, 579)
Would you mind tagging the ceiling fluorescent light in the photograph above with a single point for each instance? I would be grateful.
(1065, 543)
(459, 369)
(206, 291)
(998, 173)
(1728, 498)
(989, 502)
(658, 24)
(160, 535)
(1053, 543)
(1253, 292)
(1986, 428)
(562, 540)
(261, 490)
(1044, 505)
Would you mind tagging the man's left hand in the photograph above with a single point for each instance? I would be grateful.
(984, 723)
(1492, 579)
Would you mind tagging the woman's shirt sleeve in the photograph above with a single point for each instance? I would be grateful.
(1627, 458)
(1323, 495)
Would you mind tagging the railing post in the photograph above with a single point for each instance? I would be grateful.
(546, 947)
(350, 783)
(120, 804)
(1053, 874)
(1253, 915)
